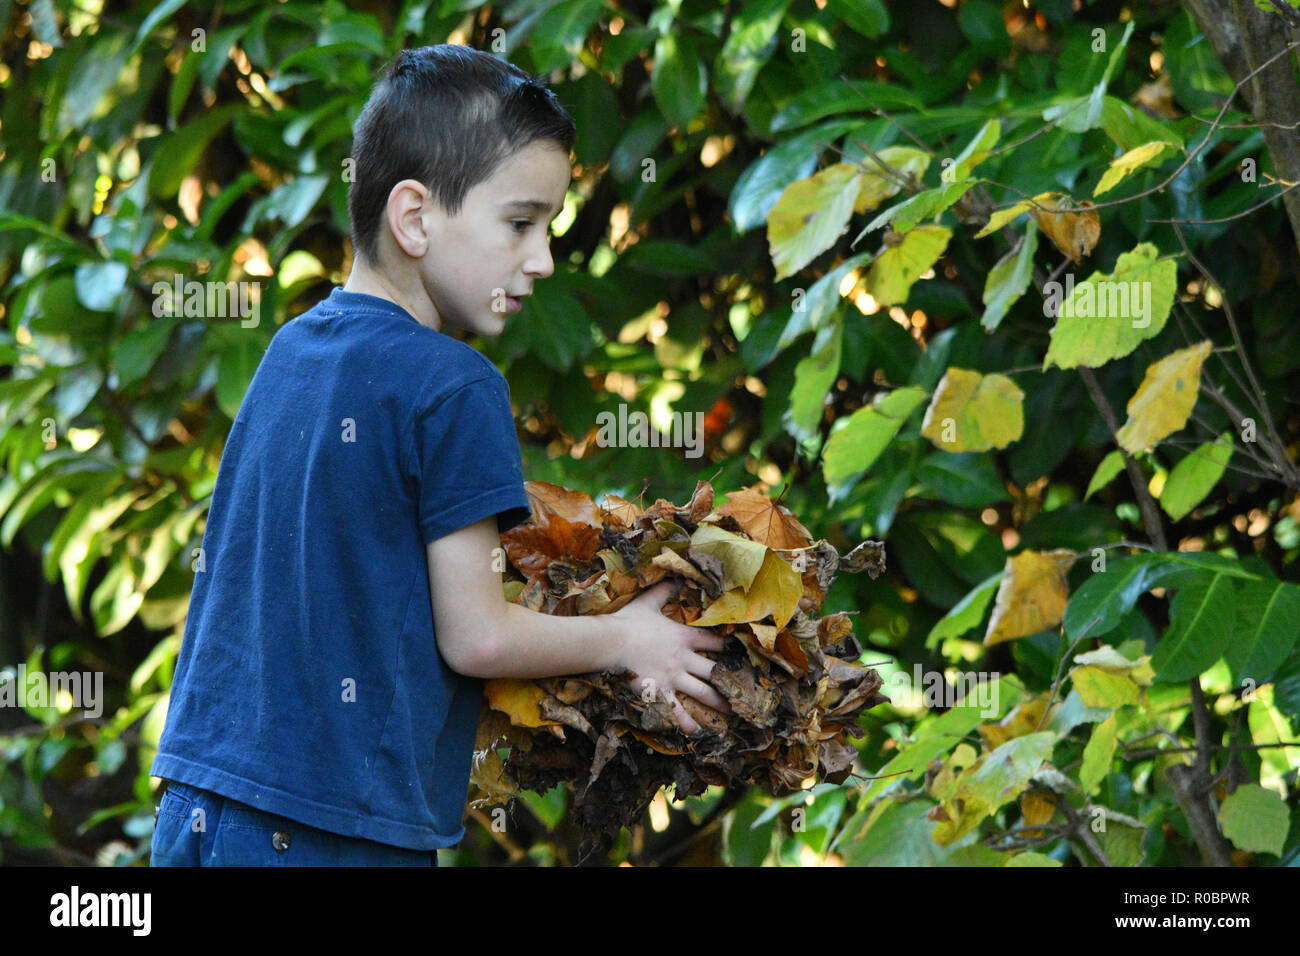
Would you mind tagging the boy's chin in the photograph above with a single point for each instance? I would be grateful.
(488, 326)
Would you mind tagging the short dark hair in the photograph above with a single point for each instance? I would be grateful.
(447, 116)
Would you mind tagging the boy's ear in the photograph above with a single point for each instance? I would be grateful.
(412, 213)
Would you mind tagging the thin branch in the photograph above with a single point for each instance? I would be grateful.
(1240, 215)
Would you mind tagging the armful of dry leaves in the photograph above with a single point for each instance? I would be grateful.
(750, 571)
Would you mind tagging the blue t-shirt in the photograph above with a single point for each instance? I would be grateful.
(309, 683)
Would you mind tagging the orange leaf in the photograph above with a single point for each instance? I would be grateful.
(766, 521)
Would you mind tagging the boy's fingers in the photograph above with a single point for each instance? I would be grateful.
(705, 694)
(684, 720)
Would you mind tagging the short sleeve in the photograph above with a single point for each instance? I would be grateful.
(467, 459)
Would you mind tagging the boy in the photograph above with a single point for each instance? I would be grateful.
(344, 612)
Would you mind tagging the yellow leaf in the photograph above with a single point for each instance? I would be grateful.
(974, 412)
(1036, 808)
(776, 591)
(1003, 216)
(1164, 400)
(1032, 595)
(1126, 164)
(1023, 719)
(1074, 233)
(518, 699)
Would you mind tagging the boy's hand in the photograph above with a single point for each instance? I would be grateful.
(657, 649)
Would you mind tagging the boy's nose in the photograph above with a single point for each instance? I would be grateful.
(540, 264)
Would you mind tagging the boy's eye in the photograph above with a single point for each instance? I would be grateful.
(521, 222)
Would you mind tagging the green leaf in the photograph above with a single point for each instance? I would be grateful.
(155, 18)
(1200, 628)
(99, 284)
(749, 45)
(868, 17)
(1129, 127)
(822, 299)
(180, 151)
(839, 96)
(1032, 859)
(559, 34)
(966, 613)
(924, 205)
(95, 72)
(814, 377)
(965, 479)
(1108, 316)
(1008, 280)
(678, 80)
(235, 367)
(761, 185)
(1102, 601)
(1097, 755)
(860, 440)
(976, 151)
(1110, 466)
(1195, 476)
(1255, 819)
(1265, 629)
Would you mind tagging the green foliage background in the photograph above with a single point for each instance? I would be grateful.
(141, 141)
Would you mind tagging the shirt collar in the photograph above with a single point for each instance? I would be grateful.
(362, 301)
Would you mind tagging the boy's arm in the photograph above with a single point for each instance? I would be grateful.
(480, 634)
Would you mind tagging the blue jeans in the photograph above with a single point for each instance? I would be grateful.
(199, 828)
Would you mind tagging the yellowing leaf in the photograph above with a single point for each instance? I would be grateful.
(1097, 755)
(1003, 216)
(1032, 595)
(518, 699)
(741, 558)
(1109, 659)
(776, 591)
(1036, 808)
(1074, 233)
(1023, 719)
(1132, 160)
(877, 186)
(898, 267)
(810, 215)
(1103, 688)
(1164, 400)
(974, 412)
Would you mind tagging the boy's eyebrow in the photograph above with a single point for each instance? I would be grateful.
(530, 205)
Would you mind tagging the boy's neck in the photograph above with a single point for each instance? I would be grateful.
(367, 281)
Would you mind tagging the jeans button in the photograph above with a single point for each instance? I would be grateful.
(280, 840)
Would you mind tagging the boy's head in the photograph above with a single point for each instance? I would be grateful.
(449, 138)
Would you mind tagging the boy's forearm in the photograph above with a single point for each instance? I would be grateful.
(527, 643)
